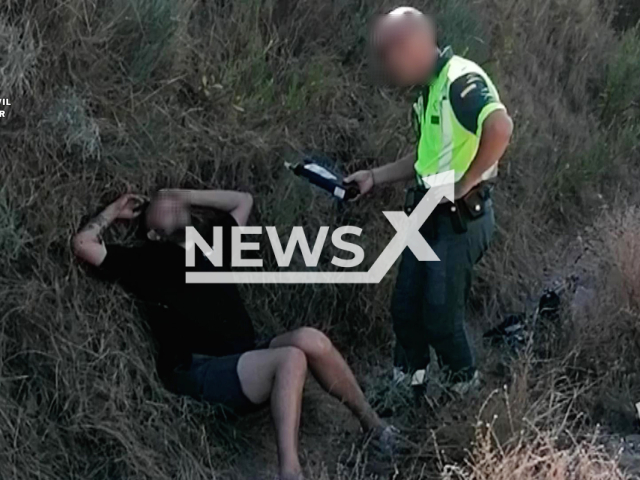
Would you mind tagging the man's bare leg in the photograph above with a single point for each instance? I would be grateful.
(331, 371)
(279, 375)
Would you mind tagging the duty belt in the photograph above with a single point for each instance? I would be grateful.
(473, 205)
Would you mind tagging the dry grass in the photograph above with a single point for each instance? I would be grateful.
(536, 459)
(621, 236)
(142, 94)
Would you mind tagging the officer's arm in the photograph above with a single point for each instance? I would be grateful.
(393, 172)
(496, 133)
(481, 113)
(238, 204)
(398, 171)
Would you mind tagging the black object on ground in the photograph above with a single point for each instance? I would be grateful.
(549, 305)
(513, 329)
(510, 331)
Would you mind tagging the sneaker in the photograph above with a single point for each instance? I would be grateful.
(398, 376)
(465, 388)
(419, 377)
(382, 441)
(387, 442)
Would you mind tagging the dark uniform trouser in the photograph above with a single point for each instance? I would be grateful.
(429, 302)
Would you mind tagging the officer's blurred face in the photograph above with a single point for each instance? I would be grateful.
(167, 217)
(405, 45)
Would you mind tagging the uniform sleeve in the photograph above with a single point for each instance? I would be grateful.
(473, 101)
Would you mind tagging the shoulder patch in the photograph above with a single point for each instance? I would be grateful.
(469, 95)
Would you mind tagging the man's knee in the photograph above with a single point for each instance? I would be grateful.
(293, 359)
(312, 342)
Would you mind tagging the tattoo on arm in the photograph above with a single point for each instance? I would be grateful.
(88, 243)
(96, 226)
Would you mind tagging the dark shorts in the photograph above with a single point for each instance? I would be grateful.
(214, 380)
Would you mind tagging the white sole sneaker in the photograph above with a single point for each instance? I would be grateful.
(464, 388)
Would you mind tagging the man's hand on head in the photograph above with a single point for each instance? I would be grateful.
(236, 203)
(87, 244)
(129, 206)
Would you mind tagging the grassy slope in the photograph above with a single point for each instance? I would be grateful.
(139, 94)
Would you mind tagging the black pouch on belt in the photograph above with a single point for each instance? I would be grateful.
(458, 218)
(412, 199)
(474, 203)
(470, 207)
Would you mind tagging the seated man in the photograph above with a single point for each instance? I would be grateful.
(203, 334)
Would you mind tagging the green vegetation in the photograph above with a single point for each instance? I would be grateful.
(143, 94)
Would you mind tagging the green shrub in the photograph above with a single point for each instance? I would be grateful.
(460, 24)
(13, 236)
(143, 35)
(70, 119)
(622, 91)
(18, 59)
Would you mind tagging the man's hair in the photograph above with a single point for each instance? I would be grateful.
(398, 12)
(404, 14)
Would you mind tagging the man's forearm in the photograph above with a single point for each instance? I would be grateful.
(495, 138)
(225, 200)
(87, 243)
(99, 223)
(400, 170)
(238, 204)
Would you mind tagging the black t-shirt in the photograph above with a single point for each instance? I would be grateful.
(207, 319)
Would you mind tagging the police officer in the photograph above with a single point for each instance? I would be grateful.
(460, 125)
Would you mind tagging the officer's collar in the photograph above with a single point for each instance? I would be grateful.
(444, 56)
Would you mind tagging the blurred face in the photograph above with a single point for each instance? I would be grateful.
(406, 48)
(166, 218)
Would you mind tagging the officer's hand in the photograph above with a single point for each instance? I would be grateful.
(364, 180)
(464, 186)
